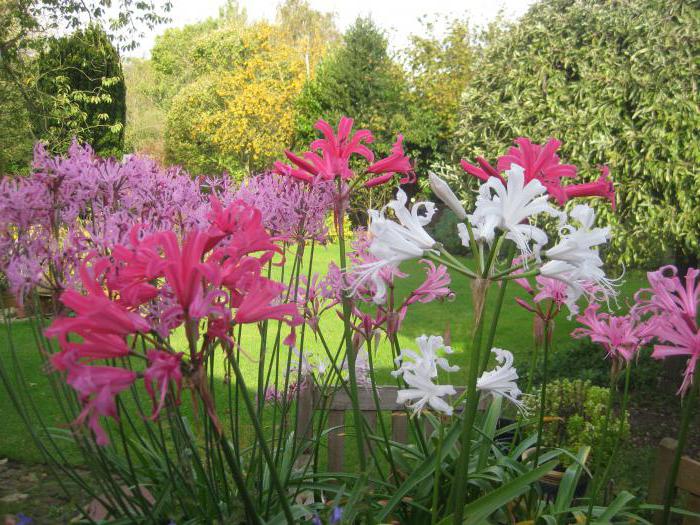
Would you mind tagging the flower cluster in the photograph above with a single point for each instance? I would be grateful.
(672, 306)
(329, 158)
(290, 208)
(79, 203)
(541, 163)
(211, 281)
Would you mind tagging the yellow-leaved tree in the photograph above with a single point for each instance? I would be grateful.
(255, 120)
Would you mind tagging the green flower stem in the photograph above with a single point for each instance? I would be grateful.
(543, 388)
(472, 244)
(438, 474)
(453, 265)
(496, 314)
(274, 476)
(598, 485)
(350, 351)
(686, 417)
(604, 434)
(459, 488)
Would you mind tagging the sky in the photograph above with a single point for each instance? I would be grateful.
(399, 18)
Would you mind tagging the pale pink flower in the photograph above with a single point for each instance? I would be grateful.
(436, 285)
(674, 309)
(621, 336)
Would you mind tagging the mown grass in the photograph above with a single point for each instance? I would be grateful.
(453, 317)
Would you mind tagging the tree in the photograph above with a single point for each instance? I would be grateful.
(308, 31)
(145, 118)
(359, 80)
(25, 26)
(617, 83)
(238, 119)
(83, 92)
(439, 69)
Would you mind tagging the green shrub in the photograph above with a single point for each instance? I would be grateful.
(575, 413)
(444, 230)
(586, 361)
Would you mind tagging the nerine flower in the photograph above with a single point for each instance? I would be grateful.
(163, 367)
(395, 242)
(446, 195)
(334, 160)
(509, 208)
(387, 167)
(424, 392)
(419, 369)
(621, 336)
(674, 309)
(501, 381)
(542, 163)
(427, 360)
(97, 387)
(575, 259)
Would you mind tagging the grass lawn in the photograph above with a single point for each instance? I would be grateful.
(514, 333)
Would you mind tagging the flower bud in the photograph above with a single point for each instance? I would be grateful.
(446, 195)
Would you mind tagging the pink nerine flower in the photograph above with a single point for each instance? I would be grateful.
(674, 309)
(539, 162)
(542, 163)
(97, 387)
(336, 150)
(436, 285)
(163, 368)
(621, 336)
(397, 162)
(602, 187)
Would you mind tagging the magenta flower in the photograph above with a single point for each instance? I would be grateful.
(621, 336)
(163, 367)
(539, 162)
(603, 187)
(95, 312)
(262, 301)
(397, 162)
(97, 387)
(542, 163)
(482, 172)
(335, 152)
(673, 322)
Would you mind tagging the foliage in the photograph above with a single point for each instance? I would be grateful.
(616, 81)
(439, 69)
(229, 88)
(240, 117)
(145, 119)
(576, 417)
(25, 26)
(582, 360)
(360, 79)
(80, 77)
(443, 230)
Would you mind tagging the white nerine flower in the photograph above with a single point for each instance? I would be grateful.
(575, 259)
(446, 195)
(509, 209)
(395, 242)
(427, 360)
(501, 380)
(424, 392)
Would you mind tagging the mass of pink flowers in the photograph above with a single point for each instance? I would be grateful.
(133, 251)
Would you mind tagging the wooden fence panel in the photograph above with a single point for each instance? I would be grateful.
(688, 480)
